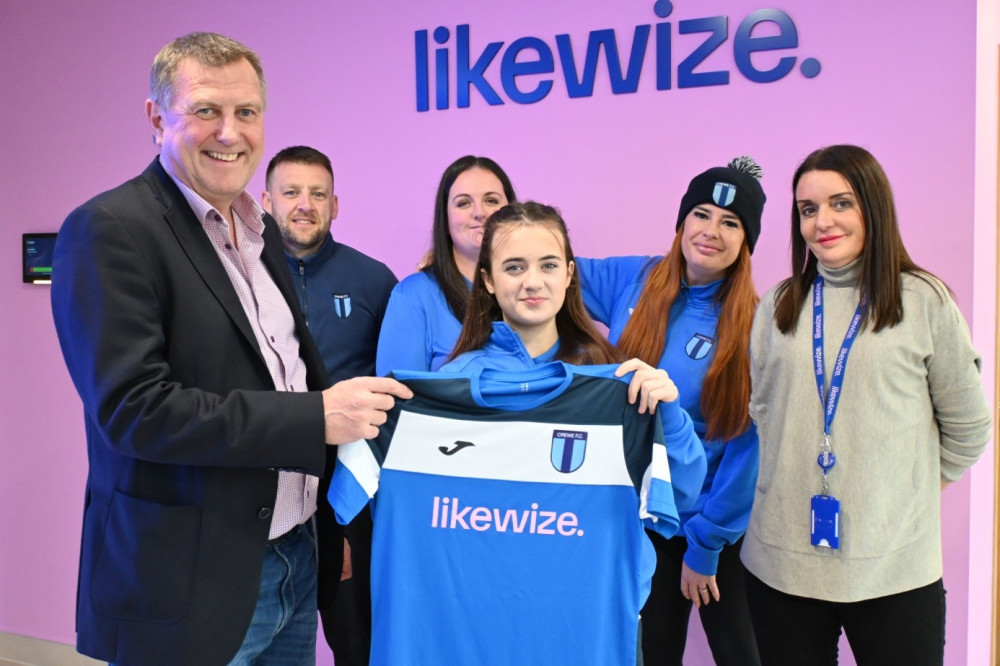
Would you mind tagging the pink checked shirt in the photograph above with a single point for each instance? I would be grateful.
(272, 323)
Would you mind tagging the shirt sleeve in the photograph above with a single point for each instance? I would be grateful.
(953, 376)
(402, 342)
(604, 281)
(386, 286)
(726, 512)
(685, 454)
(763, 324)
(355, 480)
(657, 507)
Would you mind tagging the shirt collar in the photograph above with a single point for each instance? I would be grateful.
(245, 206)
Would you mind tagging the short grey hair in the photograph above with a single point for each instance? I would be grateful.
(209, 49)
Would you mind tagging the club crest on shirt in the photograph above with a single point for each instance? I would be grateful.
(698, 346)
(342, 305)
(568, 450)
(723, 194)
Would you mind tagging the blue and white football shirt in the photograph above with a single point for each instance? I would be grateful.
(509, 517)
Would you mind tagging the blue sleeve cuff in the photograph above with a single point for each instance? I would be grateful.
(701, 560)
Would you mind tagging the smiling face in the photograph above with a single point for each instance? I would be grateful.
(301, 199)
(212, 138)
(711, 238)
(473, 197)
(830, 219)
(528, 276)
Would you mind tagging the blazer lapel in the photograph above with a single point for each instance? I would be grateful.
(277, 265)
(274, 260)
(193, 240)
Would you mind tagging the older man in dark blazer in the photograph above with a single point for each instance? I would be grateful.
(206, 403)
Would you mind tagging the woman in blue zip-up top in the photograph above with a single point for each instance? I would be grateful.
(426, 309)
(690, 313)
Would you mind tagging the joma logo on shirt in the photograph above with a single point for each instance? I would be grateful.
(447, 513)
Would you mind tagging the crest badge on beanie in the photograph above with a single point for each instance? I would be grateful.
(723, 194)
(735, 187)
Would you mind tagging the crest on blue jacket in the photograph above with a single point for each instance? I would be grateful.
(698, 346)
(723, 194)
(342, 305)
(568, 450)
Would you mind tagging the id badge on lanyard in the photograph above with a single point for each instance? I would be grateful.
(824, 507)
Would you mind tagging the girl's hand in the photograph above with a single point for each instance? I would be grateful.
(649, 385)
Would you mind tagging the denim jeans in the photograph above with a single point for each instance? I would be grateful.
(283, 629)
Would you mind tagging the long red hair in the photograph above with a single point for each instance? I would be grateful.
(725, 392)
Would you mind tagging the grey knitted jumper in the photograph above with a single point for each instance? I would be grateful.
(912, 412)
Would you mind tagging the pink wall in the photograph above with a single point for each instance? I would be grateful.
(898, 78)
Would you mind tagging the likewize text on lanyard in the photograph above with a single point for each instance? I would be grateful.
(825, 508)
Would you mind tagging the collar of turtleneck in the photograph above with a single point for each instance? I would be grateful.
(845, 276)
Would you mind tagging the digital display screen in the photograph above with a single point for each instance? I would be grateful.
(36, 257)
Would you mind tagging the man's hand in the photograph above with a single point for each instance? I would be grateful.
(355, 408)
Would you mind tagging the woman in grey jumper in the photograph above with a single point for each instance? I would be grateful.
(868, 400)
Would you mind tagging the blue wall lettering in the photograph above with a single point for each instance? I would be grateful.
(529, 65)
(583, 86)
(511, 68)
(718, 29)
(745, 44)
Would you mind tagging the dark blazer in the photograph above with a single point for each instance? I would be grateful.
(184, 427)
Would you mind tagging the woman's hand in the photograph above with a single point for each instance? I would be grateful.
(697, 588)
(649, 385)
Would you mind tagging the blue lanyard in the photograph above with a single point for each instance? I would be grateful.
(826, 459)
(837, 378)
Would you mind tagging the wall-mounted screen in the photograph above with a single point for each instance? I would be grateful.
(36, 257)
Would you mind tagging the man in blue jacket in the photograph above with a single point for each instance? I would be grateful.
(343, 294)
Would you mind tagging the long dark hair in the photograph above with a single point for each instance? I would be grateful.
(579, 340)
(442, 260)
(883, 258)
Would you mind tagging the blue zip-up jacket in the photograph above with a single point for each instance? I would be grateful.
(343, 294)
(719, 514)
(503, 351)
(419, 329)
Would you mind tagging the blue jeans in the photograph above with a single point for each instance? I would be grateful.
(283, 629)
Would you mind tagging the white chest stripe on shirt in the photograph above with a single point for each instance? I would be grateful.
(509, 451)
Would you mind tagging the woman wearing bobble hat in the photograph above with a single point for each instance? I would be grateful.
(690, 313)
